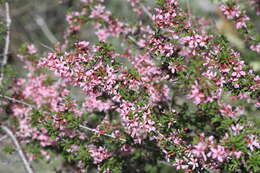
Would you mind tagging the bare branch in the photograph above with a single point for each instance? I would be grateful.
(81, 126)
(7, 40)
(146, 11)
(17, 101)
(3, 138)
(45, 29)
(189, 10)
(104, 134)
(19, 149)
(47, 47)
(133, 40)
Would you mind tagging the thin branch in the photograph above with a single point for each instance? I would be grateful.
(3, 138)
(81, 126)
(17, 101)
(19, 149)
(189, 10)
(133, 40)
(147, 12)
(104, 134)
(45, 29)
(7, 40)
(47, 47)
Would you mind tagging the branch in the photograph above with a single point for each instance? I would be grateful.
(81, 126)
(3, 137)
(104, 134)
(147, 12)
(133, 40)
(45, 29)
(19, 149)
(17, 101)
(7, 40)
(47, 47)
(189, 10)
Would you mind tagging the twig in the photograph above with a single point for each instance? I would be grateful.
(81, 126)
(45, 29)
(189, 10)
(7, 40)
(17, 101)
(104, 134)
(133, 40)
(19, 149)
(146, 11)
(47, 47)
(3, 137)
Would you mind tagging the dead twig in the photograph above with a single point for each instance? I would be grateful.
(104, 134)
(81, 126)
(45, 29)
(19, 149)
(17, 101)
(47, 47)
(7, 41)
(147, 12)
(189, 10)
(3, 138)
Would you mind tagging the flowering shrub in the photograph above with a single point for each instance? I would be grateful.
(175, 93)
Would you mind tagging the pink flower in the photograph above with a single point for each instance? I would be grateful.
(252, 142)
(165, 17)
(91, 103)
(237, 154)
(31, 49)
(142, 43)
(194, 163)
(237, 128)
(102, 34)
(238, 72)
(218, 153)
(99, 11)
(241, 22)
(82, 45)
(197, 96)
(98, 153)
(195, 40)
(72, 17)
(45, 154)
(180, 164)
(255, 48)
(73, 148)
(230, 12)
(199, 150)
(226, 110)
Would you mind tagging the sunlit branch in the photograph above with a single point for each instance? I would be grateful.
(17, 101)
(45, 29)
(7, 41)
(104, 134)
(19, 149)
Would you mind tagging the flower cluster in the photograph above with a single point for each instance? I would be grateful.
(236, 14)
